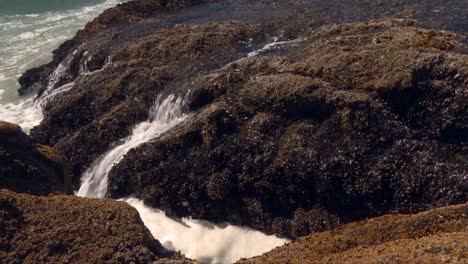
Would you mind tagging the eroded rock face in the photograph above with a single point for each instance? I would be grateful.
(67, 229)
(361, 120)
(435, 236)
(28, 167)
(334, 124)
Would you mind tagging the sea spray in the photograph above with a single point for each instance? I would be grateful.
(27, 112)
(196, 239)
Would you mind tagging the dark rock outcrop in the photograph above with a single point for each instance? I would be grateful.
(28, 167)
(108, 98)
(364, 119)
(67, 229)
(436, 236)
(345, 122)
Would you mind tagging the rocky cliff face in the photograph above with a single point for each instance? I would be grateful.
(436, 236)
(67, 229)
(296, 127)
(28, 167)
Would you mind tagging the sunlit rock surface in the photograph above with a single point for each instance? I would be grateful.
(436, 236)
(303, 118)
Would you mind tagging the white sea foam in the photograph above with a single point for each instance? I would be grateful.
(205, 241)
(165, 114)
(273, 45)
(51, 94)
(25, 36)
(196, 239)
(27, 41)
(26, 113)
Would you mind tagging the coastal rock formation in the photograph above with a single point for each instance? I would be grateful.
(28, 167)
(115, 91)
(358, 121)
(436, 236)
(294, 128)
(131, 11)
(67, 229)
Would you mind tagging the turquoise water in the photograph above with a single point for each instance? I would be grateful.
(29, 31)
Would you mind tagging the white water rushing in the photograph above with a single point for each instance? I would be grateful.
(27, 40)
(204, 241)
(27, 112)
(163, 116)
(271, 46)
(196, 239)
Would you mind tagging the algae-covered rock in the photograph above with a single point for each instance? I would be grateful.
(28, 167)
(68, 229)
(299, 121)
(435, 236)
(339, 129)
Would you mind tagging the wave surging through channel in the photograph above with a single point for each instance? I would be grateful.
(28, 41)
(163, 116)
(204, 241)
(201, 240)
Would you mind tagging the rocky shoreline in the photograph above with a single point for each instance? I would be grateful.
(300, 123)
(293, 146)
(68, 229)
(27, 167)
(435, 236)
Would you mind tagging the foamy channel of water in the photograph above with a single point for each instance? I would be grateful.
(201, 240)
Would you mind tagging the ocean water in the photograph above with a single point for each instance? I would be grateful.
(201, 240)
(29, 31)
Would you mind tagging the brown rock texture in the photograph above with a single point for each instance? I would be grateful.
(436, 236)
(329, 123)
(128, 12)
(28, 167)
(67, 229)
(358, 120)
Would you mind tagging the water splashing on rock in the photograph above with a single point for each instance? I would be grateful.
(197, 239)
(165, 114)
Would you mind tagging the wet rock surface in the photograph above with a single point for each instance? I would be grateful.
(29, 167)
(360, 120)
(327, 124)
(436, 236)
(67, 229)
